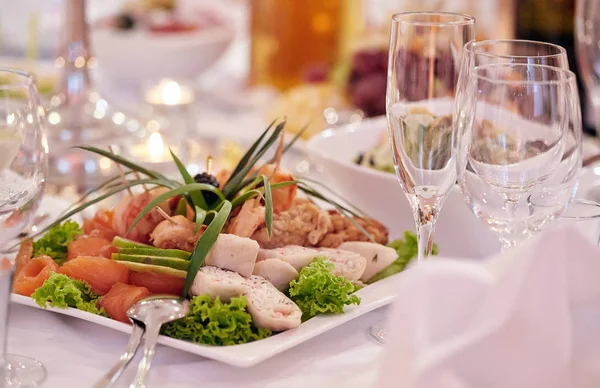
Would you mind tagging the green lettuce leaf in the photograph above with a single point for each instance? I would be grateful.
(213, 322)
(56, 241)
(61, 291)
(407, 249)
(318, 291)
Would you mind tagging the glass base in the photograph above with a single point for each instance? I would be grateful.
(23, 372)
(378, 333)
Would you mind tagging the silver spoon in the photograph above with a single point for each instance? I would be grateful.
(154, 312)
(111, 377)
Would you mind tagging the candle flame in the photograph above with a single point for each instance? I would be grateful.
(171, 92)
(156, 147)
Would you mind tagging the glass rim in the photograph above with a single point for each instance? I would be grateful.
(462, 19)
(26, 79)
(585, 202)
(569, 75)
(574, 201)
(469, 47)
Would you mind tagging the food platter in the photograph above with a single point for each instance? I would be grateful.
(262, 266)
(246, 355)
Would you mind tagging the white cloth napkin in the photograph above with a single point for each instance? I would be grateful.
(527, 318)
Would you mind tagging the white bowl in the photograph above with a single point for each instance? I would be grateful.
(131, 57)
(458, 231)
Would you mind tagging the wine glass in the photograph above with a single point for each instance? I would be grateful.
(23, 168)
(425, 50)
(587, 48)
(541, 53)
(517, 51)
(511, 138)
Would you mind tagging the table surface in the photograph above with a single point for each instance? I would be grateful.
(77, 353)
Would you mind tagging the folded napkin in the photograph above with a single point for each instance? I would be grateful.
(527, 318)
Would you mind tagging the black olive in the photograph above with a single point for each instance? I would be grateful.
(125, 22)
(210, 180)
(372, 161)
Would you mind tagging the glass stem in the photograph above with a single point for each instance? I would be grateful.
(425, 219)
(75, 55)
(425, 239)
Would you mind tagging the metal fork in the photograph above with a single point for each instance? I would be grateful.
(111, 377)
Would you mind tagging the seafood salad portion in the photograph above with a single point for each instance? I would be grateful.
(250, 248)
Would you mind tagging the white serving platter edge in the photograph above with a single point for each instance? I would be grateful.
(372, 297)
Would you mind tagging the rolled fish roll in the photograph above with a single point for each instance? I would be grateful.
(269, 307)
(378, 256)
(278, 272)
(218, 282)
(237, 254)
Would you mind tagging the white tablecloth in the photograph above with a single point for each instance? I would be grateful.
(77, 353)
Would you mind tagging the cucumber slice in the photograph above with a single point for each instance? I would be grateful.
(157, 252)
(169, 262)
(141, 267)
(121, 242)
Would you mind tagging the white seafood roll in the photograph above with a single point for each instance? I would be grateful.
(349, 265)
(278, 272)
(297, 256)
(269, 307)
(237, 254)
(378, 256)
(218, 282)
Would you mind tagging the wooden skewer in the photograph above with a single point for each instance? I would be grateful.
(278, 154)
(139, 177)
(209, 163)
(165, 215)
(121, 171)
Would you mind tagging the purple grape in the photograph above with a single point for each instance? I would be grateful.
(365, 62)
(316, 73)
(368, 94)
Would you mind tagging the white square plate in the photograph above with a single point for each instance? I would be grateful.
(372, 297)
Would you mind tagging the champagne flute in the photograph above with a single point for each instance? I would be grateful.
(23, 168)
(511, 136)
(425, 51)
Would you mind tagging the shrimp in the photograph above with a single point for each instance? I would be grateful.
(250, 217)
(128, 209)
(282, 196)
(176, 232)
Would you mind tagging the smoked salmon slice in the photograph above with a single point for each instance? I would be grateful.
(120, 298)
(101, 273)
(100, 225)
(33, 275)
(157, 283)
(24, 255)
(88, 246)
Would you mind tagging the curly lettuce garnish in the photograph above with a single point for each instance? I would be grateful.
(55, 241)
(319, 291)
(61, 291)
(407, 249)
(213, 322)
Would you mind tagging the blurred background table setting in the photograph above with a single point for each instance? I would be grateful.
(487, 109)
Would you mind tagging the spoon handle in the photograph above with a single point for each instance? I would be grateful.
(152, 333)
(111, 377)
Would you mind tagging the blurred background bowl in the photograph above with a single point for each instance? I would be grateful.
(175, 55)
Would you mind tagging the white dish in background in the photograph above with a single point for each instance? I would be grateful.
(132, 57)
(458, 232)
